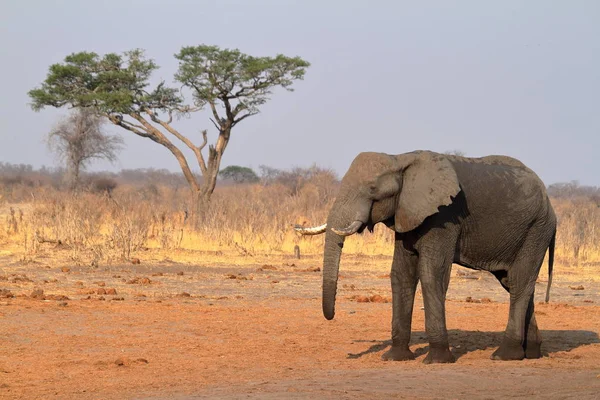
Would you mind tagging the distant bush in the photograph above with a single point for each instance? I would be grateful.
(102, 185)
(239, 174)
(573, 189)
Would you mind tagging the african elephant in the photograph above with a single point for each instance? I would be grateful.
(490, 213)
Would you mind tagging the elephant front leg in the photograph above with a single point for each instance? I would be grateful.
(435, 278)
(404, 284)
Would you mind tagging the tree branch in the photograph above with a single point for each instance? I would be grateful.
(197, 150)
(215, 113)
(215, 124)
(228, 112)
(137, 129)
(158, 137)
(205, 137)
(235, 121)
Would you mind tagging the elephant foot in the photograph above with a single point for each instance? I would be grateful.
(533, 350)
(439, 355)
(509, 350)
(398, 353)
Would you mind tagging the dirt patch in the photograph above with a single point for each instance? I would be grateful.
(209, 334)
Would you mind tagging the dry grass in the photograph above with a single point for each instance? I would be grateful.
(248, 220)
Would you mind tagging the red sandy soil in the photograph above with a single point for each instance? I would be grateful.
(259, 333)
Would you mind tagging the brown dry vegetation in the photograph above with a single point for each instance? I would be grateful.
(115, 294)
(101, 226)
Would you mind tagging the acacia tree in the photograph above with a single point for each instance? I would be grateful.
(79, 139)
(233, 84)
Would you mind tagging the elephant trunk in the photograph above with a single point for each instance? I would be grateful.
(350, 217)
(331, 265)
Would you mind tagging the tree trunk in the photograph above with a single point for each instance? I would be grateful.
(200, 206)
(73, 171)
(215, 153)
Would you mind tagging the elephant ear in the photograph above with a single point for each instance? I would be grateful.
(429, 182)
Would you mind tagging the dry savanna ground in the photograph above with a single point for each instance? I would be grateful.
(218, 325)
(114, 298)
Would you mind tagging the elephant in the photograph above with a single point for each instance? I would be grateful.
(490, 213)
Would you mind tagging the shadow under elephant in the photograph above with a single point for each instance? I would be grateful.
(463, 342)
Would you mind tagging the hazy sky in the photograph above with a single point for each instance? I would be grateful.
(520, 78)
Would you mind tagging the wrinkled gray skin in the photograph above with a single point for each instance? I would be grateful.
(489, 213)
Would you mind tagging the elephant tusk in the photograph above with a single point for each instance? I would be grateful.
(350, 230)
(313, 230)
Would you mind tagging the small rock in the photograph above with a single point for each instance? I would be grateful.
(121, 361)
(274, 281)
(580, 287)
(100, 283)
(65, 269)
(378, 299)
(6, 294)
(135, 261)
(111, 291)
(184, 294)
(239, 277)
(142, 281)
(180, 273)
(101, 291)
(118, 299)
(63, 304)
(56, 297)
(37, 294)
(312, 269)
(267, 267)
(472, 300)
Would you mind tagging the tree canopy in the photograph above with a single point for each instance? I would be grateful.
(229, 75)
(113, 84)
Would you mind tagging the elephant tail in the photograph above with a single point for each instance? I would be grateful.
(550, 264)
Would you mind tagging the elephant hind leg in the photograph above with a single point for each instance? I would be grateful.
(522, 337)
(533, 338)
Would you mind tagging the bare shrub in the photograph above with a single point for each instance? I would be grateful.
(79, 139)
(578, 229)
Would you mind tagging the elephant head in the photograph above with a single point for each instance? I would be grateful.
(398, 190)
